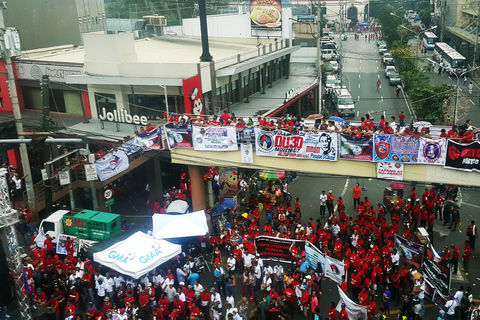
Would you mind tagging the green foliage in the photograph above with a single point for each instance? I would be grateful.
(414, 79)
(424, 10)
(428, 100)
(375, 8)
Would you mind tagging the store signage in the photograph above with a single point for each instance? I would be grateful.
(56, 73)
(122, 116)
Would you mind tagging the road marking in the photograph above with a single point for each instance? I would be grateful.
(359, 86)
(358, 113)
(359, 76)
(460, 89)
(378, 76)
(360, 68)
(377, 70)
(471, 205)
(381, 98)
(343, 191)
(472, 101)
(358, 98)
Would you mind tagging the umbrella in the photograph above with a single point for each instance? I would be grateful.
(315, 116)
(178, 206)
(217, 209)
(397, 185)
(363, 24)
(338, 119)
(227, 204)
(272, 174)
(422, 124)
(452, 203)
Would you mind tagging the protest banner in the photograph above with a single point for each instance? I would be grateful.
(299, 145)
(464, 157)
(334, 269)
(214, 138)
(314, 256)
(67, 245)
(432, 151)
(179, 136)
(390, 170)
(437, 274)
(356, 148)
(278, 249)
(409, 252)
(395, 149)
(112, 164)
(354, 311)
(150, 140)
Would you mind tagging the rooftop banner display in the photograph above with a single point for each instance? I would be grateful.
(112, 164)
(179, 136)
(395, 149)
(266, 14)
(215, 138)
(464, 157)
(299, 145)
(150, 140)
(356, 148)
(432, 151)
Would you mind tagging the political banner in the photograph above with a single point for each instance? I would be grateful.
(314, 256)
(354, 311)
(432, 151)
(356, 147)
(130, 147)
(395, 149)
(334, 269)
(150, 140)
(439, 299)
(246, 136)
(91, 172)
(438, 275)
(464, 157)
(429, 290)
(246, 153)
(409, 252)
(390, 170)
(299, 145)
(112, 164)
(179, 136)
(278, 249)
(67, 245)
(215, 138)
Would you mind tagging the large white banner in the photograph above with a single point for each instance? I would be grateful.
(334, 269)
(299, 145)
(432, 151)
(354, 311)
(247, 153)
(215, 138)
(389, 170)
(112, 164)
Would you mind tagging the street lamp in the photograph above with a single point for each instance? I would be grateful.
(393, 14)
(459, 76)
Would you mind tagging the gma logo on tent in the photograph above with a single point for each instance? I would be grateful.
(114, 255)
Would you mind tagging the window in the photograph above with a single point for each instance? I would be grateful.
(48, 226)
(105, 100)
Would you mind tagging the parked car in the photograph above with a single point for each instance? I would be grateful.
(380, 42)
(394, 79)
(387, 59)
(344, 103)
(389, 70)
(335, 65)
(382, 49)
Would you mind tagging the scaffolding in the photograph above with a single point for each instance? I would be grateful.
(8, 220)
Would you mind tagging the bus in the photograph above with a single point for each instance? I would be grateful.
(450, 58)
(429, 39)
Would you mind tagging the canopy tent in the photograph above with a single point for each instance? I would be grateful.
(178, 207)
(137, 255)
(167, 226)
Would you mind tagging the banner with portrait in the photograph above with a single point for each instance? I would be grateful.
(149, 140)
(334, 269)
(246, 136)
(179, 136)
(112, 164)
(353, 147)
(432, 151)
(67, 245)
(215, 138)
(298, 145)
(464, 157)
(409, 252)
(278, 249)
(395, 149)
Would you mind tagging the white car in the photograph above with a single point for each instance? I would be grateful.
(335, 66)
(389, 70)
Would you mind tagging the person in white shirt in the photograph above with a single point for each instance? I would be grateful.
(395, 257)
(267, 270)
(258, 276)
(267, 283)
(420, 291)
(215, 298)
(109, 284)
(118, 279)
(450, 308)
(459, 295)
(247, 259)
(323, 203)
(231, 265)
(100, 286)
(393, 125)
(197, 288)
(259, 260)
(181, 295)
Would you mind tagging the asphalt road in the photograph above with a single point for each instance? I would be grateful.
(361, 69)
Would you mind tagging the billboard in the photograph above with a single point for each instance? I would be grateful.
(192, 95)
(266, 14)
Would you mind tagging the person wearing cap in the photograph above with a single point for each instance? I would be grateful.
(450, 307)
(40, 297)
(343, 312)
(304, 300)
(219, 274)
(231, 262)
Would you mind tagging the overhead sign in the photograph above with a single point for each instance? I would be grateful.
(395, 149)
(299, 145)
(464, 157)
(55, 72)
(91, 172)
(432, 151)
(310, 18)
(266, 14)
(215, 138)
(389, 170)
(122, 116)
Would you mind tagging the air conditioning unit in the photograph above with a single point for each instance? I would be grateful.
(156, 21)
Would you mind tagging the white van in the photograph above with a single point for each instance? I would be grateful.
(329, 54)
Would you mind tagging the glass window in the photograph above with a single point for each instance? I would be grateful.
(105, 100)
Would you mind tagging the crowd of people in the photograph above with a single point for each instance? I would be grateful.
(246, 287)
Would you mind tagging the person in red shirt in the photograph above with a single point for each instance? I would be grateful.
(70, 308)
(157, 313)
(290, 298)
(344, 285)
(343, 313)
(423, 216)
(372, 307)
(143, 301)
(163, 305)
(455, 257)
(332, 312)
(174, 314)
(467, 252)
(40, 297)
(330, 199)
(49, 245)
(179, 305)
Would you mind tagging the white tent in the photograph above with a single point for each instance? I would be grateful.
(177, 206)
(178, 226)
(137, 255)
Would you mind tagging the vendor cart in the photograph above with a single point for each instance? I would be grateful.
(390, 198)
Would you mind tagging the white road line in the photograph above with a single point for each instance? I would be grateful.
(381, 98)
(459, 88)
(472, 101)
(359, 76)
(378, 76)
(358, 98)
(377, 69)
(359, 87)
(343, 191)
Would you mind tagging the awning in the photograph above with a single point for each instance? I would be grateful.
(137, 255)
(254, 62)
(123, 81)
(167, 226)
(274, 112)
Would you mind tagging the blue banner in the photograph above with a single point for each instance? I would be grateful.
(150, 140)
(395, 149)
(247, 136)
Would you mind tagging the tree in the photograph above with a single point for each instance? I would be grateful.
(428, 101)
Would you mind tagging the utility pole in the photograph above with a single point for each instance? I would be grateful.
(27, 174)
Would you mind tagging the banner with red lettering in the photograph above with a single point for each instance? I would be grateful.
(298, 145)
(464, 157)
(278, 249)
(192, 95)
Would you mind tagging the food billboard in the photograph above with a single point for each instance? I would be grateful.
(266, 14)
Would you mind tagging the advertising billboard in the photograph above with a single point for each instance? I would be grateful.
(266, 14)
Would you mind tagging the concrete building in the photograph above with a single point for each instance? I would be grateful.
(54, 22)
